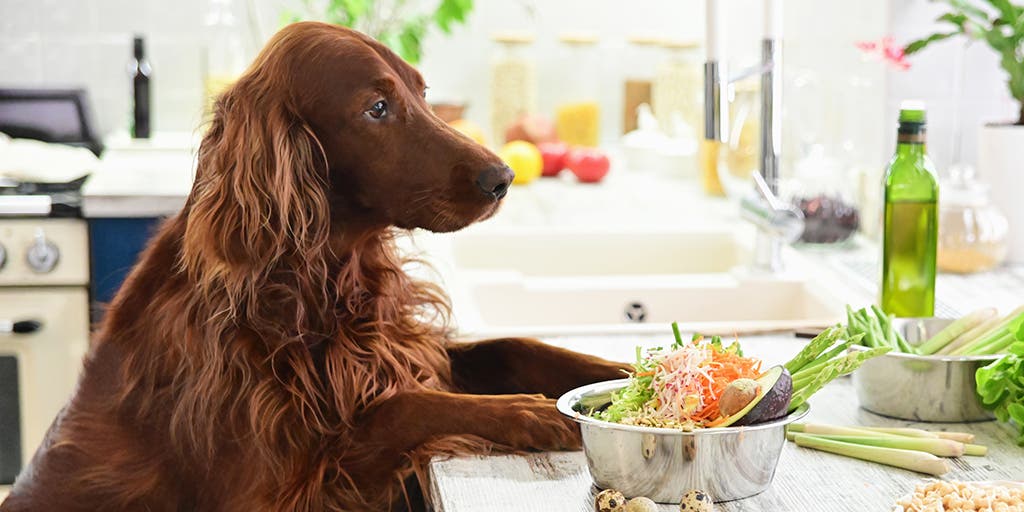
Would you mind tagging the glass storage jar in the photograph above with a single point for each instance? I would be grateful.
(727, 166)
(822, 190)
(513, 82)
(578, 112)
(638, 63)
(677, 93)
(972, 231)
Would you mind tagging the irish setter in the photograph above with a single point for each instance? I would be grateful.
(268, 353)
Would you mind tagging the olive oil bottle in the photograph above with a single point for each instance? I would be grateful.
(911, 222)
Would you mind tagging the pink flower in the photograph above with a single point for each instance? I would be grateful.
(885, 50)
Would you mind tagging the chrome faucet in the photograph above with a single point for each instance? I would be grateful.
(777, 221)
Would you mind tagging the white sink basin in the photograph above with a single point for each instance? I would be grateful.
(550, 282)
(712, 304)
(596, 253)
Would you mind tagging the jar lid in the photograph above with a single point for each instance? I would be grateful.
(580, 38)
(681, 44)
(961, 189)
(645, 39)
(512, 37)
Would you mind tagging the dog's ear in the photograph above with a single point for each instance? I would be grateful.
(260, 193)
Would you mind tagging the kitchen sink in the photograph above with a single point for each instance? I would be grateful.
(600, 253)
(551, 282)
(712, 304)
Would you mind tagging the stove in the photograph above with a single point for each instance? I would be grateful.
(44, 311)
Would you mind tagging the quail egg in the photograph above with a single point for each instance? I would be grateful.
(641, 504)
(610, 500)
(696, 501)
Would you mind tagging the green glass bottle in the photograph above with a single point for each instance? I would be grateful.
(911, 222)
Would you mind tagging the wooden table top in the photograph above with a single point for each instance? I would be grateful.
(806, 480)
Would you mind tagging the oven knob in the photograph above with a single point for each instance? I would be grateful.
(3, 255)
(43, 255)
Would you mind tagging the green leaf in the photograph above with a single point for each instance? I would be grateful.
(968, 9)
(410, 40)
(1016, 412)
(1008, 13)
(450, 12)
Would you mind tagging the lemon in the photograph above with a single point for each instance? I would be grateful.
(524, 159)
(469, 129)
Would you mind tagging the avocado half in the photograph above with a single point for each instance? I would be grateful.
(771, 401)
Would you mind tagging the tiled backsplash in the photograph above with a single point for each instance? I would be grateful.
(87, 42)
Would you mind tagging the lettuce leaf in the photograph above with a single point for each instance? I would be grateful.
(1001, 387)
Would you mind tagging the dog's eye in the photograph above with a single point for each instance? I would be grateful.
(378, 110)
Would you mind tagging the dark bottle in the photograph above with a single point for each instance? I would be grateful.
(141, 73)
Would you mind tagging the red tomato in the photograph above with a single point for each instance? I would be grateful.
(588, 164)
(554, 154)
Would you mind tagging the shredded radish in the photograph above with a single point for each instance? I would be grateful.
(688, 382)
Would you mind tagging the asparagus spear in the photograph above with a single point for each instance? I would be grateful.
(828, 356)
(815, 347)
(906, 459)
(831, 370)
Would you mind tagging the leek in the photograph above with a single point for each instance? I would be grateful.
(939, 447)
(906, 459)
(959, 327)
(1007, 328)
(983, 329)
(907, 432)
(963, 437)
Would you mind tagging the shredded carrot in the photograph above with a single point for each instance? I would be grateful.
(724, 367)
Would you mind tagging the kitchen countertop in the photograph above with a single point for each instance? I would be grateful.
(141, 178)
(147, 178)
(806, 480)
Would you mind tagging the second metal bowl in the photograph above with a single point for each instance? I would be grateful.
(921, 388)
(661, 463)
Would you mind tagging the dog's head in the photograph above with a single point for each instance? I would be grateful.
(329, 130)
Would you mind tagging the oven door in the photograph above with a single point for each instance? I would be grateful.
(44, 333)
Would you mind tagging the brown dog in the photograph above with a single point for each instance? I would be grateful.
(268, 352)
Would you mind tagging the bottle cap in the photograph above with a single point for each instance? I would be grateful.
(138, 46)
(912, 112)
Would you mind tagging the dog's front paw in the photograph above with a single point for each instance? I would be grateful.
(533, 423)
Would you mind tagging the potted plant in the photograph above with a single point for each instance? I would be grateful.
(999, 24)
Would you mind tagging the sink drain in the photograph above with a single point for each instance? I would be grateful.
(635, 312)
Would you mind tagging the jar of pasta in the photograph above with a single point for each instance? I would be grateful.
(677, 93)
(513, 81)
(578, 112)
(972, 231)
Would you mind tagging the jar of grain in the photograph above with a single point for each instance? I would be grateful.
(578, 111)
(972, 231)
(677, 93)
(513, 81)
(638, 66)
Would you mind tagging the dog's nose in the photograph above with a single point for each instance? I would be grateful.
(495, 181)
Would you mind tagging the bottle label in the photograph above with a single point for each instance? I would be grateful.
(910, 138)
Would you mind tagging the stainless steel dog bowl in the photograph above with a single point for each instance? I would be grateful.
(921, 388)
(728, 463)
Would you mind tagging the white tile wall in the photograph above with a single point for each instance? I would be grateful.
(88, 42)
(933, 77)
